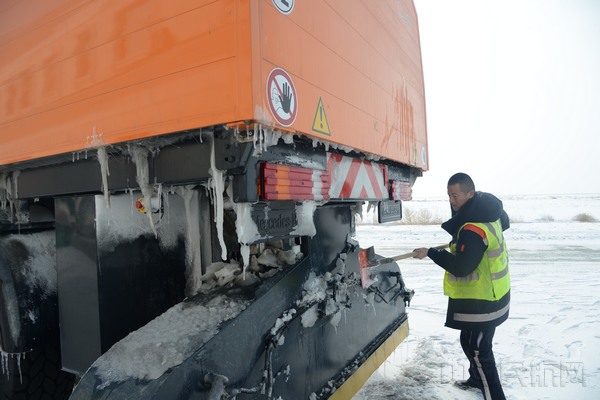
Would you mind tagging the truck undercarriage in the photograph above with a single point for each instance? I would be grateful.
(280, 311)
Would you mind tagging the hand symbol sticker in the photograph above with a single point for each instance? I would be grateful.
(282, 97)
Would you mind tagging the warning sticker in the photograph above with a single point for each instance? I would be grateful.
(282, 98)
(320, 123)
(284, 6)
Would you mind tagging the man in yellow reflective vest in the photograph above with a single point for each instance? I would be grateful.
(476, 281)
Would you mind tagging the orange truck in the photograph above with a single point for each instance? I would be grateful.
(178, 189)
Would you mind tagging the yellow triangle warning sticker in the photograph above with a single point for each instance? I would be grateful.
(320, 123)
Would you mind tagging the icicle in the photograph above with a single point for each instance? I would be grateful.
(245, 227)
(261, 139)
(4, 362)
(10, 193)
(3, 191)
(142, 176)
(103, 160)
(95, 141)
(159, 191)
(255, 138)
(132, 202)
(245, 252)
(288, 138)
(19, 367)
(193, 262)
(272, 137)
(216, 184)
(15, 193)
(167, 207)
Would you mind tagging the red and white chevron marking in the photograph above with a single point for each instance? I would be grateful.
(352, 178)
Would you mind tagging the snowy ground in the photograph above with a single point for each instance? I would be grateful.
(550, 346)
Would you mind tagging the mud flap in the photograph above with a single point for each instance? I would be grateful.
(268, 350)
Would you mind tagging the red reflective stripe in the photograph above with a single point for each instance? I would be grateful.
(401, 190)
(374, 182)
(475, 229)
(288, 190)
(294, 182)
(350, 179)
(333, 159)
(288, 175)
(287, 182)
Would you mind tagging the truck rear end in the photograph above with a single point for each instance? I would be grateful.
(178, 187)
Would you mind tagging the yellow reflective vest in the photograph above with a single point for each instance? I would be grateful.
(490, 281)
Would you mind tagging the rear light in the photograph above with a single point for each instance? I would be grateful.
(401, 190)
(139, 205)
(286, 182)
(155, 204)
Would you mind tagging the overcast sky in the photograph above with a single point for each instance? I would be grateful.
(513, 94)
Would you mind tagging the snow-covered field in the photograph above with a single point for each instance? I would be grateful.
(550, 346)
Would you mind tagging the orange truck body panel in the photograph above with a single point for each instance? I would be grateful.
(74, 73)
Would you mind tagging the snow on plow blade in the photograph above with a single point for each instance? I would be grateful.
(305, 333)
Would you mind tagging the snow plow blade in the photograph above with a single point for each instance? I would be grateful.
(304, 333)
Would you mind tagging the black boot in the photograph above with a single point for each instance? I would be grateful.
(468, 384)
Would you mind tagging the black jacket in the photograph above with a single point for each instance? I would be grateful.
(470, 248)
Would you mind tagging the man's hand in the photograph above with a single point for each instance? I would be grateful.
(420, 253)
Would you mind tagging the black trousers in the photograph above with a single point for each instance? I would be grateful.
(477, 346)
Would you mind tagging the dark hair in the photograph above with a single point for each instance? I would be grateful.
(464, 180)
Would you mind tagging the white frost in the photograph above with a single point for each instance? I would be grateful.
(305, 212)
(303, 162)
(9, 193)
(288, 257)
(280, 322)
(227, 274)
(166, 341)
(315, 290)
(40, 267)
(124, 223)
(245, 227)
(310, 316)
(269, 258)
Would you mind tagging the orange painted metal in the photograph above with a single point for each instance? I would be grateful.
(133, 69)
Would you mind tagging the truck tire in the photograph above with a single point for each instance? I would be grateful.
(40, 376)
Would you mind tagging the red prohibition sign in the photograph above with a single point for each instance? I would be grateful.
(281, 96)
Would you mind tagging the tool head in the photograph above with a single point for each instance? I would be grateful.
(366, 257)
